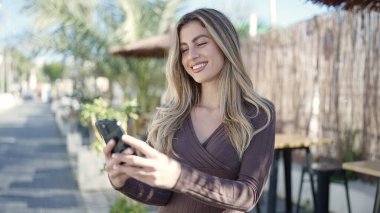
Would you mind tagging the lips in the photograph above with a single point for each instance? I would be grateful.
(199, 67)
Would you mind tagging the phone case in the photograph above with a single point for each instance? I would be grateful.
(112, 129)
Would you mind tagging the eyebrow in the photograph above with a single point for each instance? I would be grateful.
(196, 38)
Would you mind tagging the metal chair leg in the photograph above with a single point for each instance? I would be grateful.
(300, 190)
(258, 210)
(311, 174)
(376, 208)
(311, 177)
(347, 194)
(272, 194)
(307, 168)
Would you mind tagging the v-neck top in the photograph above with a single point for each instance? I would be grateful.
(192, 129)
(212, 178)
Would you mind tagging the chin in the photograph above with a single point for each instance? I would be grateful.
(198, 81)
(201, 81)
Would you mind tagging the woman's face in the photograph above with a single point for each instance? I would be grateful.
(201, 56)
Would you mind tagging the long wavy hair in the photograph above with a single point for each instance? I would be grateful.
(182, 93)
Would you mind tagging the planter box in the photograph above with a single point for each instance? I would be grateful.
(73, 143)
(89, 172)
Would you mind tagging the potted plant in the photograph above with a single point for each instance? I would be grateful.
(90, 160)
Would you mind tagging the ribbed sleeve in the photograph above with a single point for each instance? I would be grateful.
(144, 193)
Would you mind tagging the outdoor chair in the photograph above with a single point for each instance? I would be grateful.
(323, 170)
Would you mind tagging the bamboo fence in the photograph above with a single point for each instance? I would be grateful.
(323, 77)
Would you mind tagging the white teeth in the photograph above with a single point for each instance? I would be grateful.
(199, 66)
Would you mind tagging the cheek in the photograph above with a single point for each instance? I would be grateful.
(218, 57)
(183, 61)
(220, 62)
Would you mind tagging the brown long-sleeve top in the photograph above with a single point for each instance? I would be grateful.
(212, 178)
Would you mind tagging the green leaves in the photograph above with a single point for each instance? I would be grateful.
(127, 205)
(84, 31)
(53, 71)
(100, 109)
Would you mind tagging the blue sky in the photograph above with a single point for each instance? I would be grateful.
(288, 11)
(14, 23)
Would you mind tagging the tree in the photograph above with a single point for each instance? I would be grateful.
(53, 71)
(80, 31)
(145, 19)
(85, 31)
(16, 67)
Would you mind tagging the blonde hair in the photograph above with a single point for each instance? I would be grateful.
(182, 93)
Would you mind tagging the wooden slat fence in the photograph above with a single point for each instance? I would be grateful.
(323, 76)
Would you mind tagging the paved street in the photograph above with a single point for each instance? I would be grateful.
(35, 173)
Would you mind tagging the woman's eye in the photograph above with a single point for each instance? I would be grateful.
(201, 44)
(184, 50)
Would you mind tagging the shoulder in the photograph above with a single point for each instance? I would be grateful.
(261, 113)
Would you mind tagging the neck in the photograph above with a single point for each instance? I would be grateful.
(210, 97)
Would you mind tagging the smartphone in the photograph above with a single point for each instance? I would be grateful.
(112, 129)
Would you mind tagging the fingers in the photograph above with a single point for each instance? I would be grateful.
(116, 158)
(134, 161)
(129, 164)
(121, 170)
(137, 173)
(107, 150)
(159, 171)
(128, 151)
(114, 172)
(113, 164)
(134, 172)
(117, 178)
(140, 146)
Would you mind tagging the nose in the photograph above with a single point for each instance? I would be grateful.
(193, 53)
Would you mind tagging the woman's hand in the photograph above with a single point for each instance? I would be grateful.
(116, 177)
(155, 169)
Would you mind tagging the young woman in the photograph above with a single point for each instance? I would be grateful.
(212, 141)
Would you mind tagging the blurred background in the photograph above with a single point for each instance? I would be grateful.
(65, 64)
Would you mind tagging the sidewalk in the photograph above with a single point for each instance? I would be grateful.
(35, 172)
(8, 101)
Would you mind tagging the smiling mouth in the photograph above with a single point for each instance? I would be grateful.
(198, 67)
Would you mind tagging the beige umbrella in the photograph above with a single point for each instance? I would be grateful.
(351, 4)
(156, 46)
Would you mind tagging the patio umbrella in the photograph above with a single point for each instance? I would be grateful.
(351, 4)
(156, 46)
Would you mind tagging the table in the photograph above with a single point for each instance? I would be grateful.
(368, 168)
(285, 144)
